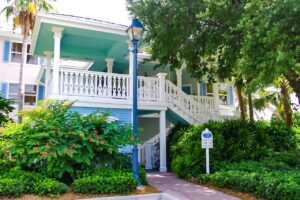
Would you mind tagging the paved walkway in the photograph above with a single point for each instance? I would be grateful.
(171, 184)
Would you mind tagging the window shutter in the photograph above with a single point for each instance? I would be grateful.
(231, 95)
(41, 60)
(6, 51)
(4, 90)
(41, 92)
(203, 89)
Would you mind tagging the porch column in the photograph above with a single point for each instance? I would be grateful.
(109, 64)
(179, 78)
(198, 89)
(57, 38)
(48, 55)
(216, 95)
(162, 86)
(162, 142)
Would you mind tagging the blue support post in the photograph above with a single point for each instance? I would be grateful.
(134, 113)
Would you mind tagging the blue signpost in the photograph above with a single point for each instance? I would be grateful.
(135, 32)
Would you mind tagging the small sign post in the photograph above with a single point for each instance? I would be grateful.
(207, 143)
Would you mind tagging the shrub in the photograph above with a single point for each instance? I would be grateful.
(50, 187)
(106, 181)
(283, 138)
(5, 108)
(57, 141)
(268, 185)
(234, 141)
(108, 172)
(11, 187)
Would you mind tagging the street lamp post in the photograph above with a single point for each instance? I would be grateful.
(135, 32)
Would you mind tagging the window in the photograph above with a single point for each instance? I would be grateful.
(223, 94)
(30, 94)
(16, 54)
(209, 88)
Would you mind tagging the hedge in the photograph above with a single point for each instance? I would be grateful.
(106, 181)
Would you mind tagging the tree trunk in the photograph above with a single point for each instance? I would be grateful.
(294, 81)
(23, 62)
(250, 107)
(286, 103)
(241, 102)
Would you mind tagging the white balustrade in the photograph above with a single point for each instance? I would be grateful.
(94, 84)
(204, 102)
(148, 88)
(186, 104)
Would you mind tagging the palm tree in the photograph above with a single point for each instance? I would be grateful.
(24, 13)
(279, 97)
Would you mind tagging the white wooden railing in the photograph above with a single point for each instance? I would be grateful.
(185, 104)
(148, 88)
(204, 102)
(94, 84)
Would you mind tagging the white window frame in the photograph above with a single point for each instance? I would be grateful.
(221, 102)
(20, 53)
(36, 95)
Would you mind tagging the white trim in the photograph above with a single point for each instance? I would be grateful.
(110, 102)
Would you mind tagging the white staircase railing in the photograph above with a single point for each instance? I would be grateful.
(185, 106)
(149, 153)
(205, 102)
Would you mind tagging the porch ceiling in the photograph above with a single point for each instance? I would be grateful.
(82, 44)
(82, 41)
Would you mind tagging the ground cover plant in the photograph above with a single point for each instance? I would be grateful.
(256, 157)
(56, 150)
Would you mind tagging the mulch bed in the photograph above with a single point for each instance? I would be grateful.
(73, 196)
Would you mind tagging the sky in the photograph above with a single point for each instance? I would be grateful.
(107, 10)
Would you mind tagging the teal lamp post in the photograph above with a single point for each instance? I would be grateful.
(135, 32)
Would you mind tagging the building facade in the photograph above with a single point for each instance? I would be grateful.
(89, 61)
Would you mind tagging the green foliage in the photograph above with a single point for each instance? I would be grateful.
(234, 141)
(270, 46)
(5, 108)
(108, 172)
(105, 181)
(50, 187)
(272, 185)
(57, 141)
(10, 187)
(15, 182)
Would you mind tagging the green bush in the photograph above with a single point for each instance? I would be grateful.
(50, 187)
(11, 187)
(108, 172)
(57, 141)
(234, 141)
(270, 186)
(105, 181)
(282, 137)
(15, 182)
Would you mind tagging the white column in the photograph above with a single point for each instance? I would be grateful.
(162, 142)
(198, 89)
(148, 153)
(109, 64)
(179, 78)
(162, 87)
(130, 71)
(48, 56)
(216, 95)
(57, 38)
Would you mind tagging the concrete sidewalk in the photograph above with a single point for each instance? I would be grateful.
(171, 184)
